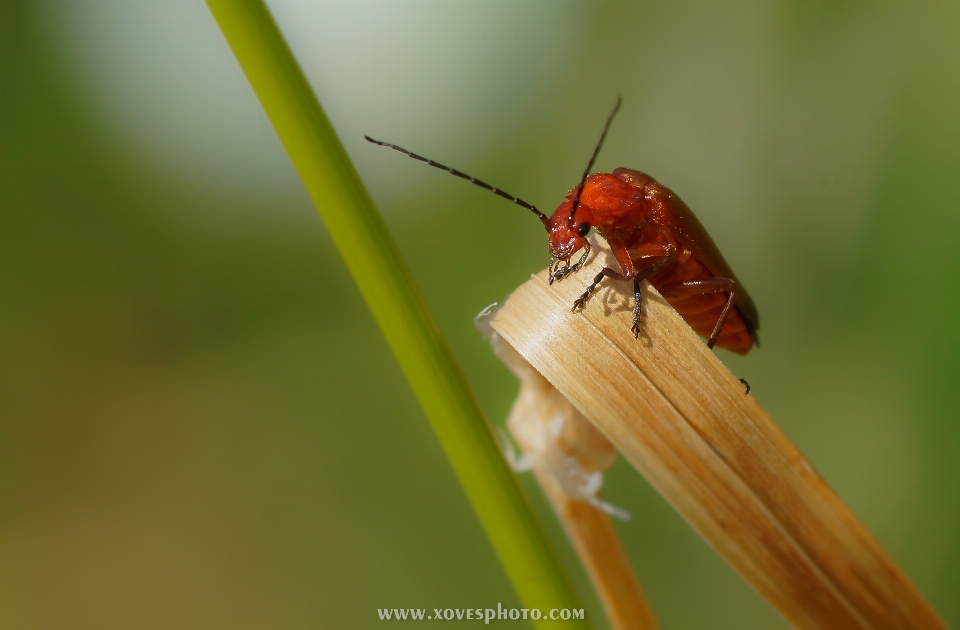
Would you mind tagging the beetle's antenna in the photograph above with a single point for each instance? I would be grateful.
(593, 158)
(473, 180)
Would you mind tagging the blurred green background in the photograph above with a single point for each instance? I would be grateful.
(200, 425)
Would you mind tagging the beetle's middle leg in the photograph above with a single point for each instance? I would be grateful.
(638, 277)
(642, 275)
(606, 272)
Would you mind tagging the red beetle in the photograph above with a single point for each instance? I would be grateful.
(654, 236)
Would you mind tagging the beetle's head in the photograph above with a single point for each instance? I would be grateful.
(567, 235)
(566, 232)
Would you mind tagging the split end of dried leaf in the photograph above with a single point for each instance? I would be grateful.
(569, 457)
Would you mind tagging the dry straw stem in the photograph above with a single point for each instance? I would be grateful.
(565, 448)
(682, 419)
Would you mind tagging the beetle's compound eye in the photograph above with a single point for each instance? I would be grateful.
(583, 228)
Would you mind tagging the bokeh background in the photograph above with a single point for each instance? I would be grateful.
(200, 425)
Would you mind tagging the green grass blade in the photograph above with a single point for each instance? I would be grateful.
(396, 303)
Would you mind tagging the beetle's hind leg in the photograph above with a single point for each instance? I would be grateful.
(691, 288)
(607, 272)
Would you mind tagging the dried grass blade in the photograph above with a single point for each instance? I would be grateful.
(682, 419)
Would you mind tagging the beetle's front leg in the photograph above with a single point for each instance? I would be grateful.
(560, 273)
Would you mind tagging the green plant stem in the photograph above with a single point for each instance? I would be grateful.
(396, 303)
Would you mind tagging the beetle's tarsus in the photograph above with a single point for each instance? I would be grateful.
(581, 302)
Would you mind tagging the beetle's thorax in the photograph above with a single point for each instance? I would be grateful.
(607, 202)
